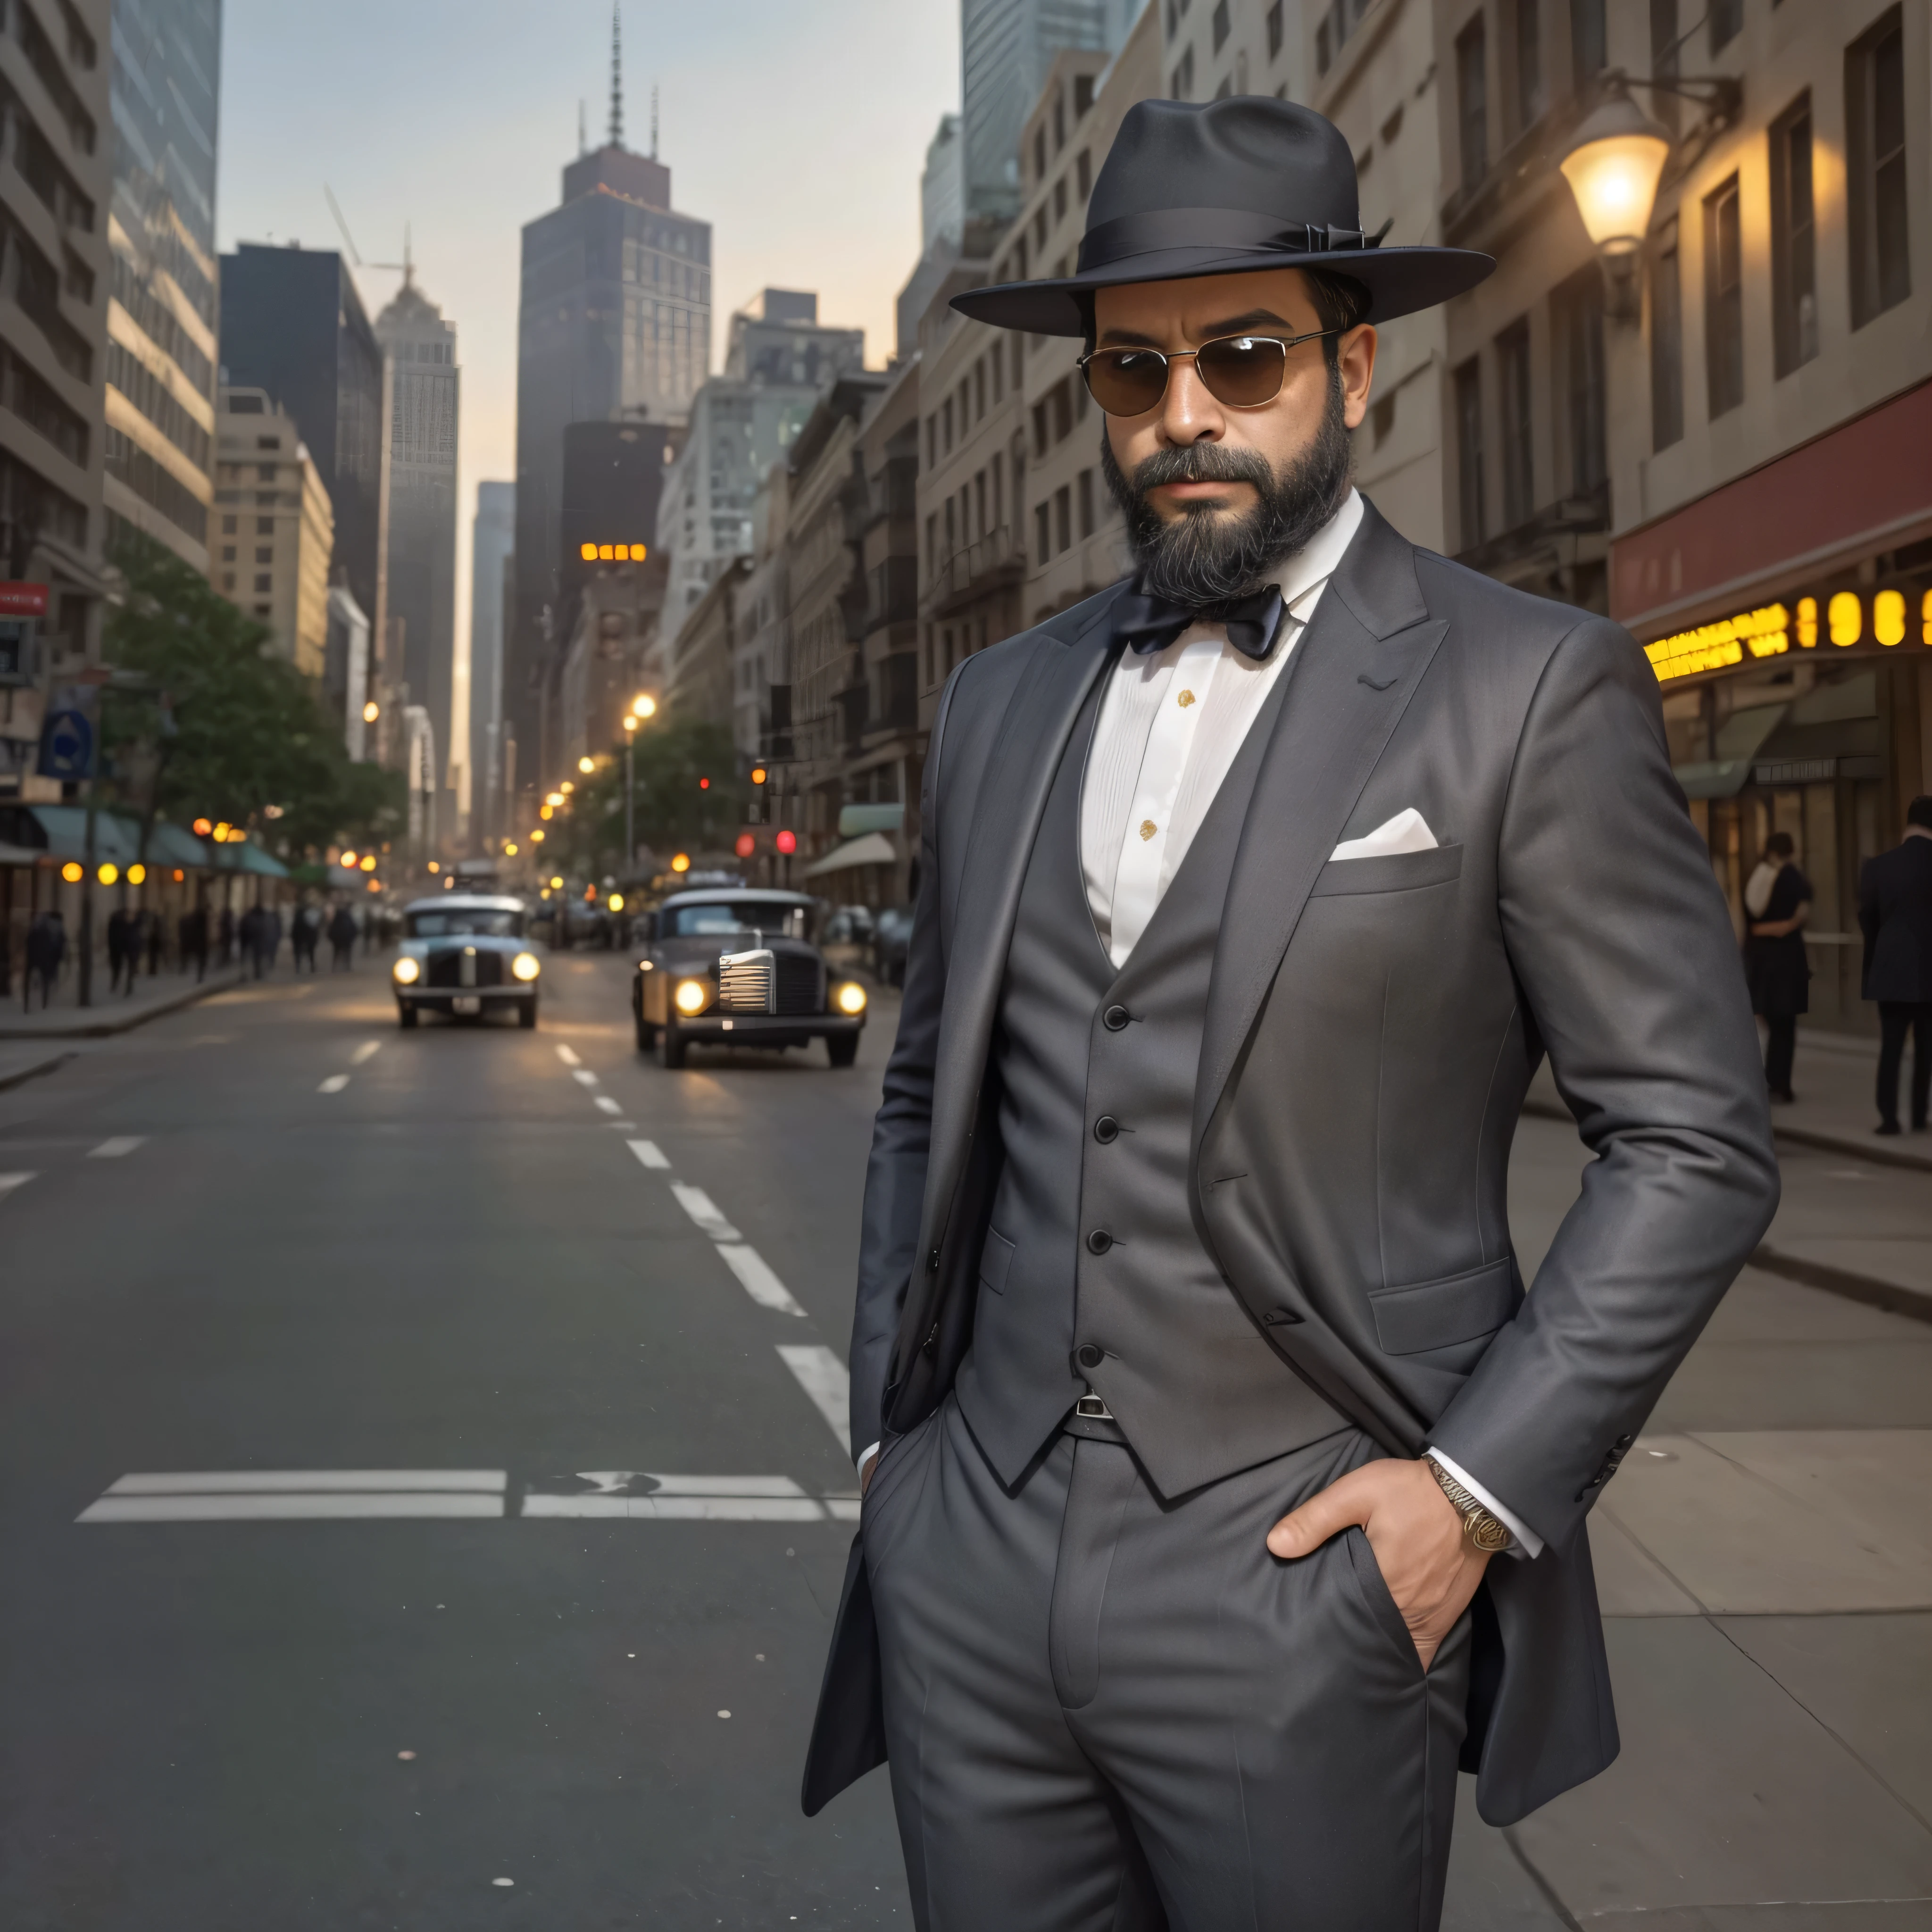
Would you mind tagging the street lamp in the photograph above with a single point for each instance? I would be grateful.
(644, 705)
(586, 765)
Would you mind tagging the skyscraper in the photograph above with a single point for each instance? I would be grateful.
(424, 395)
(1006, 46)
(616, 319)
(942, 186)
(161, 368)
(493, 537)
(292, 324)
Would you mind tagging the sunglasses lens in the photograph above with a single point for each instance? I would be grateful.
(1126, 382)
(1242, 370)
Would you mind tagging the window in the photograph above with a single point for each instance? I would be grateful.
(1060, 199)
(1469, 478)
(265, 473)
(1063, 519)
(1727, 19)
(1083, 490)
(1472, 101)
(262, 583)
(1518, 431)
(1577, 308)
(946, 422)
(1226, 87)
(1083, 171)
(1039, 154)
(1528, 52)
(1664, 63)
(1062, 397)
(1059, 122)
(1875, 126)
(979, 390)
(1222, 26)
(1794, 261)
(1083, 94)
(229, 526)
(932, 544)
(1043, 532)
(1274, 30)
(228, 552)
(1324, 49)
(1184, 77)
(979, 503)
(1666, 341)
(999, 376)
(1589, 53)
(932, 441)
(1723, 299)
(265, 553)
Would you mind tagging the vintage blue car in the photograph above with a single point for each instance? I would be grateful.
(465, 955)
(737, 966)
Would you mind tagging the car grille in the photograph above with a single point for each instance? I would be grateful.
(761, 982)
(446, 968)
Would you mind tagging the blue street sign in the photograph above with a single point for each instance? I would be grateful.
(66, 746)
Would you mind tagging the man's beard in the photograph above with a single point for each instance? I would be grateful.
(1204, 556)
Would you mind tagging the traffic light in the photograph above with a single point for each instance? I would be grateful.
(786, 842)
(704, 785)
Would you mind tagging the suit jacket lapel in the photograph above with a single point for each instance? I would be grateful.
(1040, 718)
(1351, 678)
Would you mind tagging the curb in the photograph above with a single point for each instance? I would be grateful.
(106, 1027)
(1876, 1150)
(1892, 1297)
(20, 1075)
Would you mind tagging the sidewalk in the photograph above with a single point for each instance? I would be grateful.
(1764, 1558)
(111, 1012)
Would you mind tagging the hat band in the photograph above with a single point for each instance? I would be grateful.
(1156, 230)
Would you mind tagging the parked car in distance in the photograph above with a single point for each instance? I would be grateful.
(892, 933)
(739, 966)
(466, 954)
(846, 936)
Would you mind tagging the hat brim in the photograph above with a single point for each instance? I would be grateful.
(1398, 280)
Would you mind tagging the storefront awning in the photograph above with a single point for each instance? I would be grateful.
(874, 849)
(249, 858)
(856, 820)
(1739, 739)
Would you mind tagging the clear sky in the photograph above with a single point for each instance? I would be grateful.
(797, 128)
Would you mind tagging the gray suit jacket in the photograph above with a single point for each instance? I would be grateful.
(1372, 1027)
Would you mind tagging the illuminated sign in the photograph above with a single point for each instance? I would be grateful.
(611, 553)
(1845, 620)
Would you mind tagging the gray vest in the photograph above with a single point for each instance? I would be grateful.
(1094, 1273)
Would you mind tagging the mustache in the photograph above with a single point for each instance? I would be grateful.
(1202, 462)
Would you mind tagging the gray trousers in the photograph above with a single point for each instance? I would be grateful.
(1105, 1712)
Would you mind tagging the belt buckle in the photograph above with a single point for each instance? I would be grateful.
(1091, 1408)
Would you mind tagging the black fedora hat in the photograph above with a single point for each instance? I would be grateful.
(1223, 188)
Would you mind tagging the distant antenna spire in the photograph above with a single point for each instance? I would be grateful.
(409, 260)
(583, 132)
(617, 77)
(654, 124)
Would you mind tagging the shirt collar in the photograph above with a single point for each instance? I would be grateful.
(1315, 561)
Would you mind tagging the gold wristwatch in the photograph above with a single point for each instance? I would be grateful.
(1483, 1529)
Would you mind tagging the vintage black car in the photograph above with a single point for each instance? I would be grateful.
(466, 954)
(737, 966)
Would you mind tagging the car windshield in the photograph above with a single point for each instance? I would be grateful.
(478, 920)
(729, 918)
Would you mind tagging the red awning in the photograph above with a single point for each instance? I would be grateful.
(1865, 486)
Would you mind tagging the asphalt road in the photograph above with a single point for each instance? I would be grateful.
(453, 1262)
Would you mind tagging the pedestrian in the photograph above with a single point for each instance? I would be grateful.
(46, 949)
(1218, 1277)
(271, 934)
(342, 938)
(157, 941)
(192, 938)
(1895, 915)
(226, 931)
(303, 930)
(122, 944)
(1777, 902)
(249, 932)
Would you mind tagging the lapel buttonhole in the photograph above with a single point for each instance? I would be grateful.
(1377, 683)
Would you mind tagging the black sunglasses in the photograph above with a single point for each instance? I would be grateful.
(1243, 371)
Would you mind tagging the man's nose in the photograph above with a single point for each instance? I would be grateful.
(1189, 413)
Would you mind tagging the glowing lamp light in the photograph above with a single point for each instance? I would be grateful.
(408, 970)
(202, 827)
(527, 966)
(1845, 617)
(137, 874)
(178, 875)
(72, 872)
(371, 712)
(758, 775)
(586, 764)
(851, 998)
(630, 723)
(681, 862)
(1888, 621)
(348, 861)
(537, 837)
(644, 705)
(704, 785)
(786, 842)
(1612, 164)
(368, 862)
(556, 885)
(588, 552)
(223, 832)
(690, 996)
(745, 846)
(375, 885)
(434, 867)
(616, 901)
(108, 874)
(448, 885)
(567, 787)
(509, 848)
(546, 811)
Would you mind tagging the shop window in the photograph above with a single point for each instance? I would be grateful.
(1794, 267)
(1469, 450)
(1723, 300)
(1518, 423)
(1472, 101)
(1875, 130)
(1666, 340)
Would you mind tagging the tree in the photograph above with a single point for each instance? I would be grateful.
(250, 743)
(675, 809)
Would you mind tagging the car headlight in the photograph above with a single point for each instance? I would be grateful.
(692, 996)
(851, 998)
(407, 970)
(526, 966)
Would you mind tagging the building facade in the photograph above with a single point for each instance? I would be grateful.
(53, 339)
(615, 321)
(293, 325)
(492, 543)
(275, 565)
(424, 418)
(165, 302)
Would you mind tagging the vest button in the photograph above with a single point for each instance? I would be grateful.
(1115, 1018)
(1099, 1241)
(1089, 1357)
(1106, 1129)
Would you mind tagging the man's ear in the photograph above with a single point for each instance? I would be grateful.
(1355, 369)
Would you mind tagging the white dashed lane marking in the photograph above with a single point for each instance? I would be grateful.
(650, 1152)
(760, 1282)
(8, 1182)
(609, 1106)
(584, 1077)
(824, 1377)
(567, 1055)
(113, 1149)
(367, 1051)
(334, 1084)
(703, 1210)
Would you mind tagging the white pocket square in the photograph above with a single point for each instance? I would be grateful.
(1406, 831)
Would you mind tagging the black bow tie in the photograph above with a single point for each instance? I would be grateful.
(1152, 623)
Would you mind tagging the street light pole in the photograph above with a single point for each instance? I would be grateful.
(630, 801)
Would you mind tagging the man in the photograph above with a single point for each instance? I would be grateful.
(342, 938)
(1252, 893)
(1895, 915)
(119, 942)
(192, 939)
